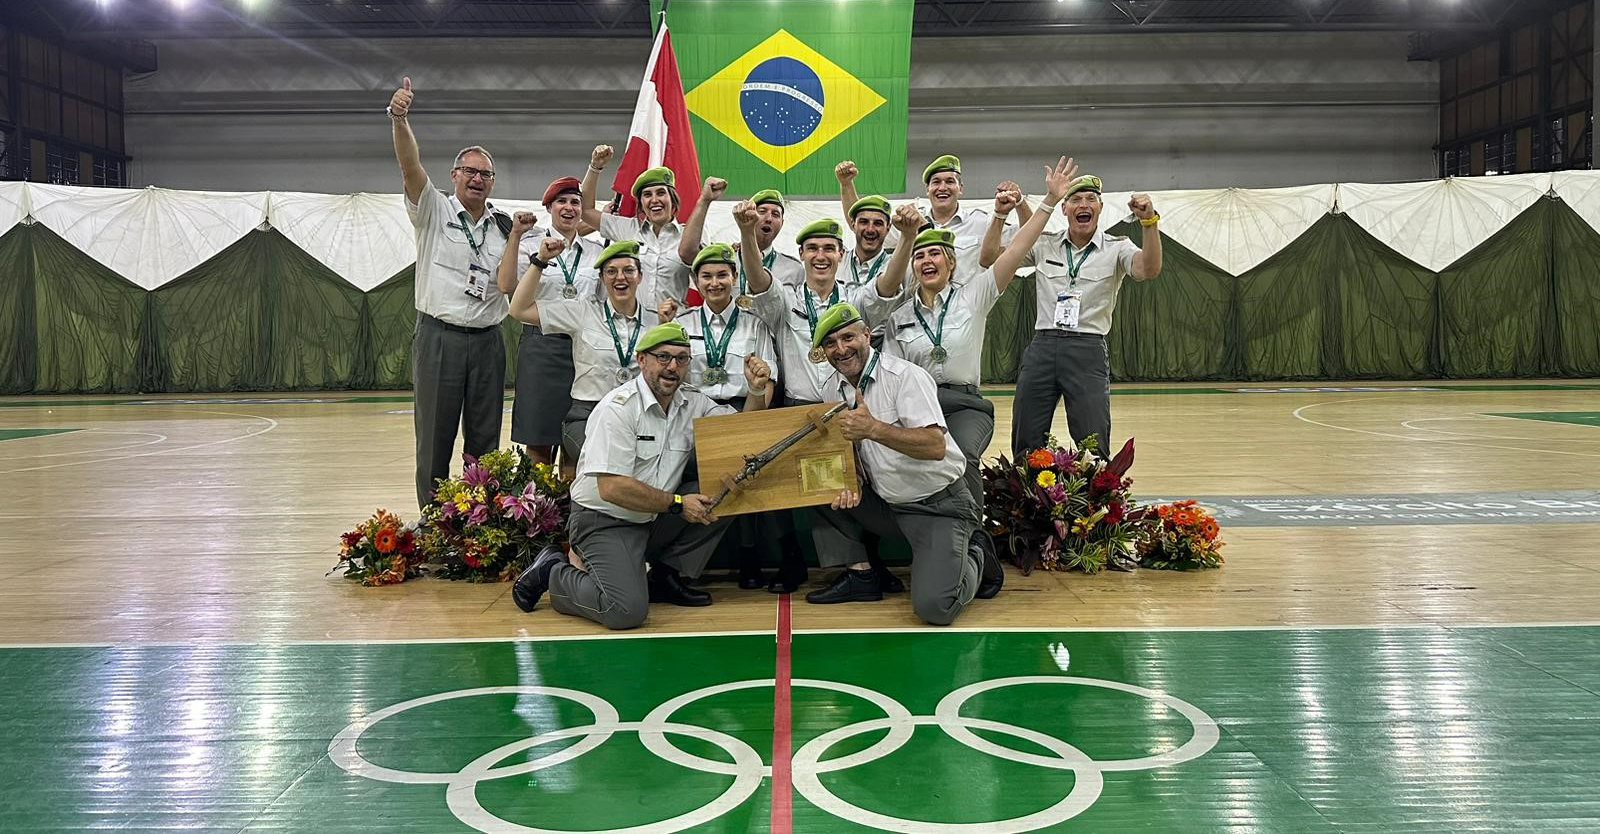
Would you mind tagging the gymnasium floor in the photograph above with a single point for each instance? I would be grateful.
(1403, 639)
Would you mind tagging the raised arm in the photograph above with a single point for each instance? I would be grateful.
(506, 275)
(405, 143)
(846, 172)
(757, 278)
(694, 231)
(1146, 264)
(591, 183)
(1056, 182)
(907, 220)
(524, 303)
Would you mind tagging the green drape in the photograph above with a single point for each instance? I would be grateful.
(1335, 304)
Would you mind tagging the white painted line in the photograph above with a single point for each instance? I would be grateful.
(158, 439)
(272, 425)
(1301, 417)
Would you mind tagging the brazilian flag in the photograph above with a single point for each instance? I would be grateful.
(779, 91)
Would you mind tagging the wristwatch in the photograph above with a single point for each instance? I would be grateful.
(676, 507)
(539, 262)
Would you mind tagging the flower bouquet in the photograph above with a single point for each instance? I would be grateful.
(380, 551)
(488, 524)
(1063, 509)
(1182, 536)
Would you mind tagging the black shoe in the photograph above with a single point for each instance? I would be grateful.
(752, 581)
(848, 586)
(991, 574)
(791, 575)
(535, 579)
(666, 585)
(751, 576)
(888, 582)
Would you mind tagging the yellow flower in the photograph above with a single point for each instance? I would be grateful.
(1047, 479)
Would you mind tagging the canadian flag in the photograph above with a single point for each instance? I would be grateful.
(660, 133)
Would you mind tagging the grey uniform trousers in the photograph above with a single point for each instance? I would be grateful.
(458, 376)
(970, 420)
(614, 591)
(939, 528)
(1058, 364)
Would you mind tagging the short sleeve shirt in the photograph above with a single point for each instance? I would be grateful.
(596, 362)
(575, 265)
(665, 273)
(450, 250)
(750, 337)
(628, 434)
(784, 310)
(963, 310)
(1101, 266)
(902, 394)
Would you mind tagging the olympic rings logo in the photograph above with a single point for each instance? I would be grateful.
(807, 765)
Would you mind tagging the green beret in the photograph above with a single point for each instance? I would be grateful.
(943, 163)
(871, 202)
(716, 253)
(934, 237)
(654, 176)
(770, 195)
(837, 316)
(1087, 182)
(671, 333)
(620, 249)
(826, 227)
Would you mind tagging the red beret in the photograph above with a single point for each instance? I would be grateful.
(559, 187)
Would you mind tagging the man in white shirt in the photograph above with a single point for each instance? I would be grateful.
(630, 503)
(911, 468)
(458, 356)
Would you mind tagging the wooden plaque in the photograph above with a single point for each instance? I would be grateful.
(809, 473)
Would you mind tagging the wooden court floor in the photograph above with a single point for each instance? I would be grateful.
(1403, 639)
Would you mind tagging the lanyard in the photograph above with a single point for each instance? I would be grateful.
(577, 255)
(872, 269)
(766, 261)
(1072, 268)
(866, 380)
(472, 241)
(811, 307)
(933, 335)
(623, 356)
(717, 349)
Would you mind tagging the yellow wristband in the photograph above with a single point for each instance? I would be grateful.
(1150, 221)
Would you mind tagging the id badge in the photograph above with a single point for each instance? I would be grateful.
(1067, 307)
(477, 281)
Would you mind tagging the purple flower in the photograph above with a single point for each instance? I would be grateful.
(547, 515)
(1064, 460)
(1057, 494)
(476, 475)
(447, 510)
(479, 514)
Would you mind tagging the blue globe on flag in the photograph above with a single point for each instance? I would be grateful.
(781, 101)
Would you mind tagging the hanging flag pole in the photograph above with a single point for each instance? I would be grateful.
(660, 134)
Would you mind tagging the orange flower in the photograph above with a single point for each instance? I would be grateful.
(1040, 459)
(1183, 517)
(386, 541)
(1210, 529)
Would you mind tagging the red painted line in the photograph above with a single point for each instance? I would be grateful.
(782, 786)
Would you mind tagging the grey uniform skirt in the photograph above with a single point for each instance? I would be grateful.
(544, 387)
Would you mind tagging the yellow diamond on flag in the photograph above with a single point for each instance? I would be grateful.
(782, 100)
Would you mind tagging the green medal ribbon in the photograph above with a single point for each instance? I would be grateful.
(811, 306)
(717, 349)
(866, 380)
(472, 240)
(1072, 268)
(577, 255)
(623, 356)
(872, 269)
(934, 336)
(766, 261)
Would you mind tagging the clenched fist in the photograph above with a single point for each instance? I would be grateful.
(1141, 206)
(845, 172)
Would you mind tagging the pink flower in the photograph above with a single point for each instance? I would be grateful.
(476, 475)
(1064, 459)
(479, 514)
(1057, 494)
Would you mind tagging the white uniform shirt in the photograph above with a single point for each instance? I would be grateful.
(969, 226)
(665, 274)
(446, 260)
(1109, 260)
(629, 434)
(783, 309)
(902, 394)
(577, 260)
(965, 321)
(594, 352)
(785, 269)
(750, 338)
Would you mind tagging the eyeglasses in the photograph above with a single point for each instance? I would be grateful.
(670, 359)
(469, 173)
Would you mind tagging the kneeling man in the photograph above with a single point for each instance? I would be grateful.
(912, 469)
(630, 503)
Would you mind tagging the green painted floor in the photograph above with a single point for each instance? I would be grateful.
(1577, 418)
(18, 434)
(1478, 729)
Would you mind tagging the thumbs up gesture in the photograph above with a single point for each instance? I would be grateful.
(857, 423)
(400, 102)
